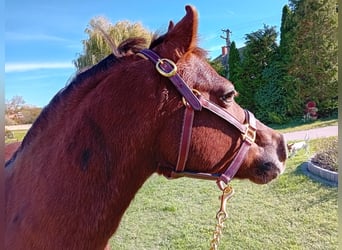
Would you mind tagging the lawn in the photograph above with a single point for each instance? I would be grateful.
(18, 135)
(301, 125)
(293, 212)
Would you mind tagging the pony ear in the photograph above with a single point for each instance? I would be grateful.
(171, 25)
(181, 37)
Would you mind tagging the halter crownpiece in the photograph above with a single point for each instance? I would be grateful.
(194, 101)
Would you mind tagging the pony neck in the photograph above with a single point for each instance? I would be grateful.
(92, 145)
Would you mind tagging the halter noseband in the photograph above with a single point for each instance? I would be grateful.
(194, 101)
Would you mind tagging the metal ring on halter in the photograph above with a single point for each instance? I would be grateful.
(162, 71)
(221, 185)
(185, 102)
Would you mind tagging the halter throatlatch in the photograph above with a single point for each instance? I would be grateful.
(194, 101)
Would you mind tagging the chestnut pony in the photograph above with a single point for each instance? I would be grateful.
(99, 139)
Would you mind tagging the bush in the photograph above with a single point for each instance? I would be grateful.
(271, 104)
(9, 134)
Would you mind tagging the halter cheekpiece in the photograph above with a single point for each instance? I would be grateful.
(194, 101)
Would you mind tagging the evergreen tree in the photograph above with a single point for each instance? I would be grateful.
(257, 55)
(272, 98)
(314, 52)
(285, 103)
(218, 66)
(286, 35)
(234, 63)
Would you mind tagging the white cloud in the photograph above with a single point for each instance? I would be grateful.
(22, 67)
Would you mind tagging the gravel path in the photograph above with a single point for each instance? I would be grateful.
(313, 133)
(19, 127)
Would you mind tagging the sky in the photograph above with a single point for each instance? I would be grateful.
(42, 38)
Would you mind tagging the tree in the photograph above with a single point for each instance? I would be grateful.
(272, 98)
(14, 105)
(234, 62)
(218, 66)
(257, 55)
(275, 82)
(314, 52)
(104, 37)
(17, 112)
(292, 98)
(279, 100)
(287, 35)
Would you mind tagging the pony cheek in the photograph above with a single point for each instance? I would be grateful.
(209, 150)
(250, 164)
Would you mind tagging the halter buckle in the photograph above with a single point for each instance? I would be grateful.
(162, 70)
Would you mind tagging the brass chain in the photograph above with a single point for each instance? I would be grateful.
(221, 216)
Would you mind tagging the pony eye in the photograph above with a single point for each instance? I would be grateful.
(228, 97)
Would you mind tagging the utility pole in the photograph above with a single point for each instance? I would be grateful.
(228, 43)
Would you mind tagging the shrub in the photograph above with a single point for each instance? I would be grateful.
(327, 157)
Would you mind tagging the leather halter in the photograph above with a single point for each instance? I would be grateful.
(194, 101)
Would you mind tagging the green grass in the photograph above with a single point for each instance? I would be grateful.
(293, 212)
(18, 135)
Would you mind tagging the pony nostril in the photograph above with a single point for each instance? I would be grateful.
(267, 166)
(271, 168)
